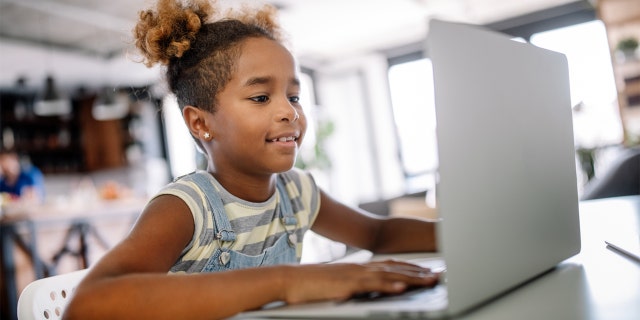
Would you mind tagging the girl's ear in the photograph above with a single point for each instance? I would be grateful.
(194, 118)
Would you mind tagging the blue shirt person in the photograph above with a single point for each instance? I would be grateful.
(20, 181)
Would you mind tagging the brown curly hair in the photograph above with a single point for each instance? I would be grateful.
(199, 44)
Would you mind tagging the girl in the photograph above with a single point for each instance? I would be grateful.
(217, 242)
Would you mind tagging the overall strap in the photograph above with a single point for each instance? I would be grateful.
(223, 230)
(286, 212)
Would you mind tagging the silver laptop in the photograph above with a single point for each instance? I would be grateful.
(507, 191)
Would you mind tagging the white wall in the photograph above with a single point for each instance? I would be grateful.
(70, 69)
(354, 94)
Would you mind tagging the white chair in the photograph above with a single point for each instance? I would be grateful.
(46, 298)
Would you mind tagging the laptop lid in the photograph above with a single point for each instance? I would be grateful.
(507, 190)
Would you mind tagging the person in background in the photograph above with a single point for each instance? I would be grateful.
(228, 239)
(20, 180)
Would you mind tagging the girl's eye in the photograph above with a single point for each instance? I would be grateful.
(294, 99)
(260, 99)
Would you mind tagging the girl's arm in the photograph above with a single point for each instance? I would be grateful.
(361, 229)
(131, 280)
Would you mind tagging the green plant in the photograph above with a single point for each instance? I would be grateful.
(318, 159)
(627, 44)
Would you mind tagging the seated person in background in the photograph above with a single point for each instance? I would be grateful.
(20, 181)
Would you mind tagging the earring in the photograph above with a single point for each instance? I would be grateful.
(206, 135)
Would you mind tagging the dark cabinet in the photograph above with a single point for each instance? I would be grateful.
(74, 142)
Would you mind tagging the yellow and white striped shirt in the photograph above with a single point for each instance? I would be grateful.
(257, 225)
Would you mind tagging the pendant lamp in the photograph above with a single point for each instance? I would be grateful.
(112, 104)
(51, 103)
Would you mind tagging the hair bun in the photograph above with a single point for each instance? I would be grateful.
(168, 32)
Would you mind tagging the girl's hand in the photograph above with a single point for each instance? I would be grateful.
(307, 283)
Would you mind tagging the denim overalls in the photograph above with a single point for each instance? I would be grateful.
(283, 250)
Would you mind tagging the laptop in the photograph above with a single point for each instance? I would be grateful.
(507, 190)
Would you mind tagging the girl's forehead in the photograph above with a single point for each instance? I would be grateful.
(262, 50)
(264, 57)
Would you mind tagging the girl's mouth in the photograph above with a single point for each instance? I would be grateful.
(284, 139)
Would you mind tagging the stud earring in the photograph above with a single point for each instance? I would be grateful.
(206, 135)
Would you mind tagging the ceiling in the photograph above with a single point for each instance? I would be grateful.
(319, 30)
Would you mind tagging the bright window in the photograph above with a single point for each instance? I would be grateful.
(593, 93)
(412, 97)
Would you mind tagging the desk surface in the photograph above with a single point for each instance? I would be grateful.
(53, 212)
(598, 283)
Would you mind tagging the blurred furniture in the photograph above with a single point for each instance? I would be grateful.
(21, 227)
(622, 21)
(384, 207)
(46, 298)
(75, 142)
(622, 178)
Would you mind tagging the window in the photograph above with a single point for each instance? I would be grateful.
(593, 91)
(412, 98)
(596, 117)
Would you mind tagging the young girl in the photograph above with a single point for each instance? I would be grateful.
(217, 242)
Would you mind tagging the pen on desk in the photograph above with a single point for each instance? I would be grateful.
(622, 251)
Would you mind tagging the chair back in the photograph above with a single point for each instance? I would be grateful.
(46, 298)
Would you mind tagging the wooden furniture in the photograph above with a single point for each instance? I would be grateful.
(622, 21)
(62, 143)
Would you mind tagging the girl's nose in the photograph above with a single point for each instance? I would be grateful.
(288, 113)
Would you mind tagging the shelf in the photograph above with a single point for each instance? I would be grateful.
(61, 144)
(622, 20)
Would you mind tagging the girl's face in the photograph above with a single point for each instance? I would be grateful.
(259, 124)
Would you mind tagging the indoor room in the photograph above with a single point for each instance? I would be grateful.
(101, 133)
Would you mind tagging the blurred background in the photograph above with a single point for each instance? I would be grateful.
(76, 103)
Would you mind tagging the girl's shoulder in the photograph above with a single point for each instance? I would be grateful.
(188, 184)
(300, 180)
(190, 176)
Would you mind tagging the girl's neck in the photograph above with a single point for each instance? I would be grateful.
(249, 188)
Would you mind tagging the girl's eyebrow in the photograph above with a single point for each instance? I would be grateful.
(264, 80)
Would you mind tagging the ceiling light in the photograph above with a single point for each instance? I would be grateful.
(111, 104)
(51, 103)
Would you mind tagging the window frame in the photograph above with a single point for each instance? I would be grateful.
(523, 26)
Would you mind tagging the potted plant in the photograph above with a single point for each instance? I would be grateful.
(627, 47)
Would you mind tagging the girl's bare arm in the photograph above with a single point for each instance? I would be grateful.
(131, 281)
(364, 230)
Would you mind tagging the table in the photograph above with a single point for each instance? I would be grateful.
(598, 283)
(595, 284)
(20, 226)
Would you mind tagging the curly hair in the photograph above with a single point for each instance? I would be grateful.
(199, 44)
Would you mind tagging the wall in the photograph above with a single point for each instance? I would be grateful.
(354, 94)
(69, 68)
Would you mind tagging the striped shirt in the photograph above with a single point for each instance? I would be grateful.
(257, 225)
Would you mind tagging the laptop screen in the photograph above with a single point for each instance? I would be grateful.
(507, 190)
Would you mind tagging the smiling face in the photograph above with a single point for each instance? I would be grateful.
(258, 124)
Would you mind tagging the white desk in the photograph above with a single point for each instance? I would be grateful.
(598, 283)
